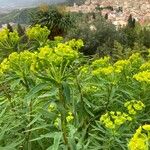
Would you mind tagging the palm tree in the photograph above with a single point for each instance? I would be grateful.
(57, 21)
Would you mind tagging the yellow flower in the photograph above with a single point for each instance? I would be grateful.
(70, 117)
(137, 144)
(138, 132)
(104, 71)
(143, 76)
(133, 106)
(58, 38)
(75, 44)
(57, 122)
(120, 65)
(134, 57)
(146, 127)
(112, 120)
(139, 141)
(51, 107)
(101, 62)
(38, 33)
(145, 66)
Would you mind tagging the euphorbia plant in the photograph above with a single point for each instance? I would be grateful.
(48, 66)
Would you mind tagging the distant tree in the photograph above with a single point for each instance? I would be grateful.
(103, 34)
(131, 22)
(57, 21)
(109, 8)
(98, 8)
(20, 30)
(145, 37)
(43, 7)
(106, 16)
(9, 27)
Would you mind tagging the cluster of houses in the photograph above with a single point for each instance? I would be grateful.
(120, 12)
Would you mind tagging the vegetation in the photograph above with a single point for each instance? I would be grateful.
(74, 82)
(56, 19)
(103, 38)
(18, 16)
(53, 97)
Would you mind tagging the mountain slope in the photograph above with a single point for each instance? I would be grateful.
(25, 3)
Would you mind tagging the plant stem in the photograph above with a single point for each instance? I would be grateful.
(30, 127)
(25, 83)
(63, 115)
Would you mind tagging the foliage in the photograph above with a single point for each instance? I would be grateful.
(23, 16)
(54, 97)
(102, 38)
(9, 41)
(102, 33)
(56, 19)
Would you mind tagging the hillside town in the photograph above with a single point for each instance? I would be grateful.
(120, 12)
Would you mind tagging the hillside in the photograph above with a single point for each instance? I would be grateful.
(25, 3)
(18, 16)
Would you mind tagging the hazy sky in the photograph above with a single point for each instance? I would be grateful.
(13, 3)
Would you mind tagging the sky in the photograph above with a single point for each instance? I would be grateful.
(24, 3)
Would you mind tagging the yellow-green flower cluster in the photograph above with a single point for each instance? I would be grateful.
(102, 62)
(135, 62)
(145, 66)
(102, 67)
(120, 65)
(75, 44)
(133, 106)
(32, 61)
(65, 51)
(69, 117)
(135, 58)
(57, 122)
(4, 66)
(104, 71)
(51, 107)
(58, 38)
(84, 69)
(143, 76)
(9, 37)
(4, 32)
(56, 55)
(113, 120)
(140, 140)
(38, 33)
(18, 62)
(90, 89)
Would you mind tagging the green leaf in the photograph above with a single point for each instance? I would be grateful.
(32, 93)
(12, 146)
(57, 138)
(66, 90)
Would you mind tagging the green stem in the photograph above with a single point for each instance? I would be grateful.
(30, 127)
(8, 95)
(26, 85)
(108, 97)
(63, 116)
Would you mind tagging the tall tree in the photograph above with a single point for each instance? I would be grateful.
(57, 21)
(20, 30)
(9, 27)
(131, 22)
